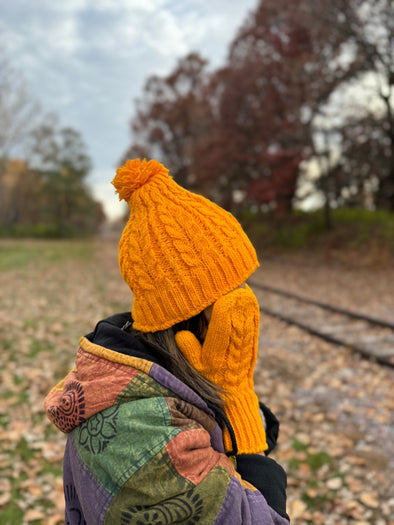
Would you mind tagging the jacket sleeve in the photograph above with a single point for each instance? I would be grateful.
(268, 477)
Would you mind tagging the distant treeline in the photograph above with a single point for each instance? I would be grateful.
(46, 196)
(302, 109)
(43, 168)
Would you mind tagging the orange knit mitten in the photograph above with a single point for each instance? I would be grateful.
(228, 357)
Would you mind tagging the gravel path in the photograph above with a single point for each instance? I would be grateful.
(336, 410)
(365, 289)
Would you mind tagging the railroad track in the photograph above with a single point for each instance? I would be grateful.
(370, 337)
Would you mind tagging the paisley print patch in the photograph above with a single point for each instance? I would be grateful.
(70, 412)
(187, 509)
(96, 433)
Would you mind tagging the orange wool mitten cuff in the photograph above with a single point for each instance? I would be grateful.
(228, 357)
(245, 417)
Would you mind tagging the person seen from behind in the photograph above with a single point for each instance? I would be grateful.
(162, 419)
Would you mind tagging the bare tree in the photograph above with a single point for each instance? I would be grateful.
(368, 27)
(19, 111)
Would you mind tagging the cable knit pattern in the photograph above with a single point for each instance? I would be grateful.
(179, 252)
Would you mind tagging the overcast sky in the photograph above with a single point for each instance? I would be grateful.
(87, 60)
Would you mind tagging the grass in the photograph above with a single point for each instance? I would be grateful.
(370, 233)
(12, 514)
(23, 450)
(16, 254)
(314, 460)
(43, 231)
(37, 346)
(42, 281)
(320, 467)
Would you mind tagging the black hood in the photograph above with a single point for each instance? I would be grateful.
(111, 334)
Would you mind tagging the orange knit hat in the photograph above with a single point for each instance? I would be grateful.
(179, 252)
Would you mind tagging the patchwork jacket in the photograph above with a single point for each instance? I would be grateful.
(143, 448)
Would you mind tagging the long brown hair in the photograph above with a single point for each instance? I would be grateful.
(164, 343)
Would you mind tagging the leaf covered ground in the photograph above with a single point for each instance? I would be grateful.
(337, 431)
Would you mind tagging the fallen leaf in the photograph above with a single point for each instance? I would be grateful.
(33, 515)
(296, 509)
(370, 499)
(334, 483)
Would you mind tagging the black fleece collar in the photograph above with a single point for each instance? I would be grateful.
(109, 333)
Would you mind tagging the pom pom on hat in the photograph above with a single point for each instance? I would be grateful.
(135, 174)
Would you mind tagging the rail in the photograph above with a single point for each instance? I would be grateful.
(371, 337)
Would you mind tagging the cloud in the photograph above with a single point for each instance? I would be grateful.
(105, 193)
(87, 60)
